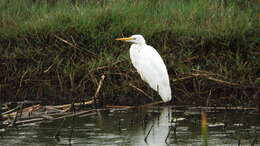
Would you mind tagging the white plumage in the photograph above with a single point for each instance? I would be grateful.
(149, 65)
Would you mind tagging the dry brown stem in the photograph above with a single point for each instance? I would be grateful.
(95, 98)
(212, 76)
(140, 90)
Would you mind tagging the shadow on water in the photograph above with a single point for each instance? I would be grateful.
(159, 126)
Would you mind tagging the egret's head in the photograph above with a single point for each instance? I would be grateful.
(135, 39)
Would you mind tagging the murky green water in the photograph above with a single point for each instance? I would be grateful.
(130, 127)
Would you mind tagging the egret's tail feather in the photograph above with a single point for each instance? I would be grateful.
(165, 93)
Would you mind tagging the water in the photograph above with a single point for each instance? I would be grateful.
(130, 127)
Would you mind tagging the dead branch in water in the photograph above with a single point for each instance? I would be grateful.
(37, 113)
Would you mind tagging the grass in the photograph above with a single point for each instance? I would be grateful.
(61, 49)
(200, 18)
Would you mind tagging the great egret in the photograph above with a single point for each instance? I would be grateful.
(149, 65)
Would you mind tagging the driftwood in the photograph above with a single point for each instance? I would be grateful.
(37, 113)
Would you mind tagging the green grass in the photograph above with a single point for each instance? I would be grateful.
(200, 18)
(69, 46)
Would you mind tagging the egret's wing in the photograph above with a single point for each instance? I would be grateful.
(152, 69)
(135, 56)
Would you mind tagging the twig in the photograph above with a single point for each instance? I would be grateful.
(48, 117)
(11, 111)
(45, 71)
(208, 75)
(28, 121)
(207, 104)
(207, 72)
(222, 81)
(99, 86)
(140, 90)
(65, 41)
(72, 45)
(76, 104)
(106, 66)
(95, 97)
(21, 80)
(60, 80)
(120, 106)
(54, 109)
(183, 78)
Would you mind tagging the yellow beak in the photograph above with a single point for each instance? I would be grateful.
(124, 39)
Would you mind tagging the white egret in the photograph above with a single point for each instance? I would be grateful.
(149, 65)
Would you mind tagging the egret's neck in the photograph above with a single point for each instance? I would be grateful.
(141, 43)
